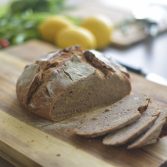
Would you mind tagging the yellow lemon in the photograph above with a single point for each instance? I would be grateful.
(76, 36)
(50, 27)
(101, 27)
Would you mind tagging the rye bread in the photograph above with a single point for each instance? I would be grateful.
(69, 82)
(131, 132)
(153, 133)
(114, 117)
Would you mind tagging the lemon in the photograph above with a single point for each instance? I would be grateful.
(101, 27)
(50, 27)
(76, 36)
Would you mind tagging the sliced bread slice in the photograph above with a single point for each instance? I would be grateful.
(127, 134)
(114, 117)
(152, 134)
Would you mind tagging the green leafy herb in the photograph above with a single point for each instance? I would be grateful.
(19, 21)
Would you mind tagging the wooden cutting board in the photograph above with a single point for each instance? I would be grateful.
(27, 140)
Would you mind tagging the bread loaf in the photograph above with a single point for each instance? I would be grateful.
(70, 81)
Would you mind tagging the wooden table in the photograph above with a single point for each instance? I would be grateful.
(26, 140)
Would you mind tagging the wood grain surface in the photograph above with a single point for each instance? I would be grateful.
(27, 140)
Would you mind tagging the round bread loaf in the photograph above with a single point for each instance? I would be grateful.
(70, 81)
